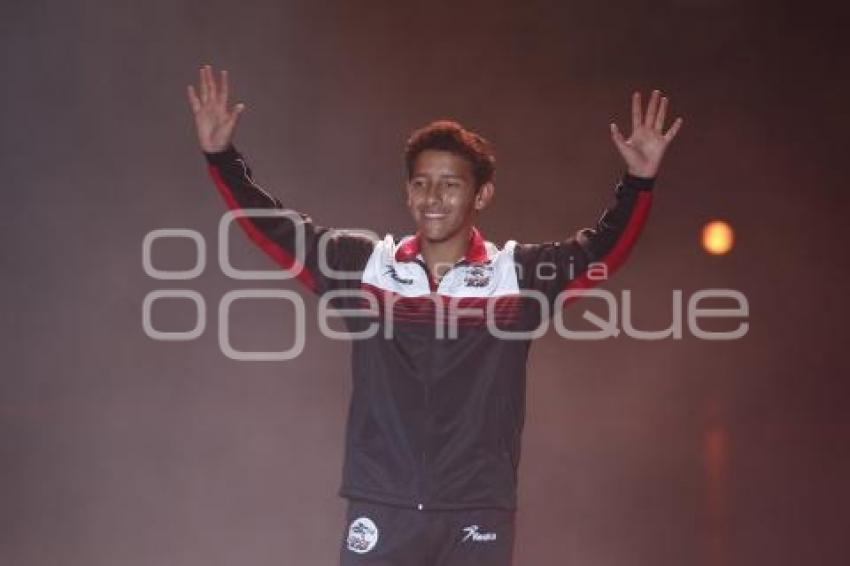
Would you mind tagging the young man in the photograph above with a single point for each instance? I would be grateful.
(438, 355)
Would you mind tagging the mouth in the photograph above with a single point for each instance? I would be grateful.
(434, 215)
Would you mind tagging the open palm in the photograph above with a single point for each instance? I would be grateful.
(645, 147)
(214, 121)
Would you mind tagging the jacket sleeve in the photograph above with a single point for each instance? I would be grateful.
(277, 235)
(591, 254)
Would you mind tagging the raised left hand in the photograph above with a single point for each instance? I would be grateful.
(645, 147)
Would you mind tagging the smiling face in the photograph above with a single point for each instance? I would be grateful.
(442, 196)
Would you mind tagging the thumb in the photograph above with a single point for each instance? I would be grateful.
(237, 110)
(618, 138)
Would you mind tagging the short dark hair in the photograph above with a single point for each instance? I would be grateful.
(448, 135)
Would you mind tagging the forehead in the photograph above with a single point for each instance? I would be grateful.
(440, 162)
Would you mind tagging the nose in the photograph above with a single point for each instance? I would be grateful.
(433, 194)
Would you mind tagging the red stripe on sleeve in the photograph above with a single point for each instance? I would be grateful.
(282, 256)
(618, 254)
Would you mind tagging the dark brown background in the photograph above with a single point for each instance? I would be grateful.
(117, 449)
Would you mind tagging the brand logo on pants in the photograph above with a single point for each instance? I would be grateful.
(473, 534)
(362, 535)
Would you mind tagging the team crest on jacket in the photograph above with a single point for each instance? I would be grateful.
(478, 276)
(362, 535)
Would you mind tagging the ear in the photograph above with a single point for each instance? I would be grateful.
(484, 195)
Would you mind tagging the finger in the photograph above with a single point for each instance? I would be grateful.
(651, 109)
(211, 85)
(225, 89)
(671, 133)
(636, 119)
(194, 101)
(662, 113)
(202, 74)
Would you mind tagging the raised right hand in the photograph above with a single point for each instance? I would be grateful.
(214, 121)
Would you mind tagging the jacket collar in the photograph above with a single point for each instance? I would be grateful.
(476, 251)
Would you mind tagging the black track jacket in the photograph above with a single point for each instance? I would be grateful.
(438, 399)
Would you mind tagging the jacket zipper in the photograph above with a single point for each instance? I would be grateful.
(433, 285)
(422, 467)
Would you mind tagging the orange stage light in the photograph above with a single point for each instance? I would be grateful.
(717, 237)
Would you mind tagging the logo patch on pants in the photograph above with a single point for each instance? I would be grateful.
(362, 535)
(473, 534)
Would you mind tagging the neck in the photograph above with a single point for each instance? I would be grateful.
(441, 256)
